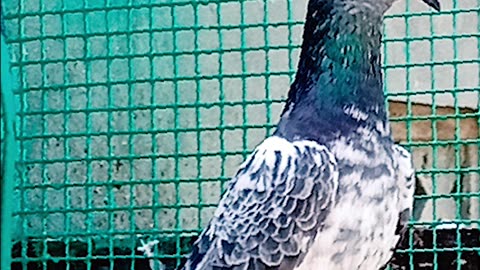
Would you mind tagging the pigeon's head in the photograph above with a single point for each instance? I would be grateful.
(433, 3)
(387, 3)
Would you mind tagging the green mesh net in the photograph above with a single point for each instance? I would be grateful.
(132, 115)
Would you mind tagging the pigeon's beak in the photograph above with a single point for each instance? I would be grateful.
(433, 3)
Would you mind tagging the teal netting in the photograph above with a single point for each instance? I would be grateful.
(132, 114)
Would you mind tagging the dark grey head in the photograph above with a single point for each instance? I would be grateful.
(385, 4)
(433, 3)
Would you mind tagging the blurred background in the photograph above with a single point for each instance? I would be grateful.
(132, 114)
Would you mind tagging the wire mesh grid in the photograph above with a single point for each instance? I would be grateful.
(132, 114)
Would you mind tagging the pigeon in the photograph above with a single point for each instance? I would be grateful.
(329, 189)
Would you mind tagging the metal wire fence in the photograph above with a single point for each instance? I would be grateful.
(132, 114)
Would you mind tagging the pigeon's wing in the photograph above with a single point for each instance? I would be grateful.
(406, 184)
(272, 209)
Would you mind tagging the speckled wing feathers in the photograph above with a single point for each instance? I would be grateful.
(272, 210)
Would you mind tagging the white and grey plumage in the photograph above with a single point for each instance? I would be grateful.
(330, 189)
(269, 212)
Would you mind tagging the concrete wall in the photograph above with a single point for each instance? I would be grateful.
(96, 135)
(437, 187)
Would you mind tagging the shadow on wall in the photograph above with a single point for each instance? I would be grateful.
(442, 164)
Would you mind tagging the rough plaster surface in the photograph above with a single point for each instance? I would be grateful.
(120, 114)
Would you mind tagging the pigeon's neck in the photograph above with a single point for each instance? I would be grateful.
(339, 72)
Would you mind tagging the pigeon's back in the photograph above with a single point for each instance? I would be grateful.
(375, 196)
(302, 204)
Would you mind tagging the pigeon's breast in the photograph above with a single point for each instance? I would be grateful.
(359, 232)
